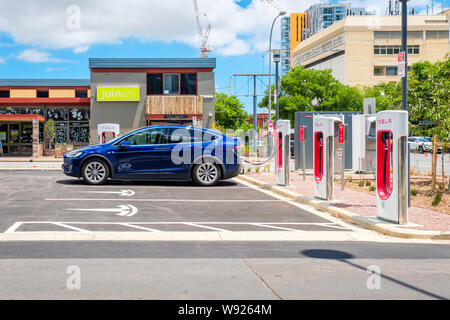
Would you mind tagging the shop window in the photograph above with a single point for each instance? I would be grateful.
(42, 94)
(58, 114)
(27, 132)
(189, 83)
(389, 50)
(80, 93)
(4, 93)
(171, 83)
(61, 132)
(154, 83)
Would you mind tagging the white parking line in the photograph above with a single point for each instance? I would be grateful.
(165, 200)
(138, 225)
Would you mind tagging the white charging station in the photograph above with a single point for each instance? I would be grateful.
(364, 142)
(324, 130)
(392, 153)
(282, 142)
(104, 128)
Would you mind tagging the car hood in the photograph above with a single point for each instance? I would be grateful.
(93, 147)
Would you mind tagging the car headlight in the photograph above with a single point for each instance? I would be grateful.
(73, 154)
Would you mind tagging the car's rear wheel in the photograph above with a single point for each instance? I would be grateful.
(206, 174)
(420, 149)
(95, 171)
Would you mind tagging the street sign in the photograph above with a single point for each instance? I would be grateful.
(401, 64)
(341, 133)
(302, 133)
(270, 125)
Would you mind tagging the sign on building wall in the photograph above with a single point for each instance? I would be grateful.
(118, 93)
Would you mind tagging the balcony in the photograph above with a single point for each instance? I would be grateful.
(174, 105)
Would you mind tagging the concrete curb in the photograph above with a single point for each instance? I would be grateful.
(366, 222)
(59, 160)
(30, 169)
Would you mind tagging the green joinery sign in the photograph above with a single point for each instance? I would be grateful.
(118, 93)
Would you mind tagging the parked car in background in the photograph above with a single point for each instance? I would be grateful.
(421, 144)
(165, 152)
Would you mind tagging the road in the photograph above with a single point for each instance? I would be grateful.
(179, 241)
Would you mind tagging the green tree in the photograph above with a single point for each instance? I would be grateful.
(314, 90)
(49, 133)
(388, 95)
(429, 96)
(230, 113)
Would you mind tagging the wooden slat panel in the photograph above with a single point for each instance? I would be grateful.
(174, 105)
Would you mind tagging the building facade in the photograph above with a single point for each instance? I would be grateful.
(293, 31)
(362, 50)
(130, 92)
(323, 15)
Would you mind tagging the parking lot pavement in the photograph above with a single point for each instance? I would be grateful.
(49, 202)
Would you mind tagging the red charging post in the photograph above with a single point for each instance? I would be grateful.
(341, 133)
(302, 133)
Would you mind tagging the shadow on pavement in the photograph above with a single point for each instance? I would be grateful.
(80, 182)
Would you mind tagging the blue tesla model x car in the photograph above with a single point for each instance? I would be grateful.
(165, 152)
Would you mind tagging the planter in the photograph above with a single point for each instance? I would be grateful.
(58, 152)
(49, 152)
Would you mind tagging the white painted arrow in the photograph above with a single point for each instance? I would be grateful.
(124, 210)
(122, 193)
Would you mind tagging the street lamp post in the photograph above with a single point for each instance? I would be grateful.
(276, 59)
(269, 147)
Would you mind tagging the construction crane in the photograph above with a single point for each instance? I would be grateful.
(203, 37)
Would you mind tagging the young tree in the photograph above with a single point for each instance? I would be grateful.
(49, 133)
(429, 96)
(230, 113)
(314, 90)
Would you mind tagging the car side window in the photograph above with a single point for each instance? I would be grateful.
(178, 135)
(146, 137)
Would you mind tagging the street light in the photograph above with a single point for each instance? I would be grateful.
(281, 13)
(276, 59)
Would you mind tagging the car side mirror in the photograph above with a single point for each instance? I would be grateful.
(124, 143)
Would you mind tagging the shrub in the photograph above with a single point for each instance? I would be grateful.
(441, 186)
(257, 169)
(372, 188)
(361, 183)
(350, 179)
(437, 199)
(414, 192)
(368, 183)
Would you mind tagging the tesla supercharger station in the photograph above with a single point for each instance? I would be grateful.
(103, 128)
(323, 158)
(282, 142)
(392, 155)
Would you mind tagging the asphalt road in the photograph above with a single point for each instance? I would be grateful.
(43, 203)
(51, 202)
(238, 270)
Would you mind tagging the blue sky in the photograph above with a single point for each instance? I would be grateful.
(37, 40)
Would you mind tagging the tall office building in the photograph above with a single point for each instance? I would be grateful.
(323, 15)
(293, 31)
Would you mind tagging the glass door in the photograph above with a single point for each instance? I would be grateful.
(17, 138)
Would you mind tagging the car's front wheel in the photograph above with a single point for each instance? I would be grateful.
(206, 174)
(95, 171)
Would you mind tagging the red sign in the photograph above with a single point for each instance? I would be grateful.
(270, 124)
(341, 133)
(302, 133)
(401, 57)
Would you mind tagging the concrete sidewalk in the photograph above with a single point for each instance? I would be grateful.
(29, 163)
(357, 207)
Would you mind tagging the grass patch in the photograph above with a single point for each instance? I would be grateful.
(437, 199)
(413, 192)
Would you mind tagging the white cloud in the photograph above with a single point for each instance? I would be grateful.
(50, 69)
(36, 56)
(49, 24)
